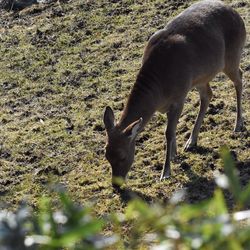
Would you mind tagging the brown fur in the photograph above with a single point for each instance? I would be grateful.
(205, 39)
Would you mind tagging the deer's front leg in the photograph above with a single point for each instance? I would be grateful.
(173, 117)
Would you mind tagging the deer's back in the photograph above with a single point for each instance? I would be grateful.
(195, 44)
(209, 21)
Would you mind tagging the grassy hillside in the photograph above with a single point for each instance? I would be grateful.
(61, 65)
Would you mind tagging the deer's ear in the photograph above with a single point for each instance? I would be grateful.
(109, 119)
(133, 129)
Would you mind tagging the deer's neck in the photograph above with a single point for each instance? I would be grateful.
(141, 103)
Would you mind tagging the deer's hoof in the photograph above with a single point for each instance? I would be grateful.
(240, 128)
(239, 125)
(189, 145)
(165, 176)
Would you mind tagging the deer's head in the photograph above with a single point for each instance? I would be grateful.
(120, 147)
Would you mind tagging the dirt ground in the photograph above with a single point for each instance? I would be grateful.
(61, 64)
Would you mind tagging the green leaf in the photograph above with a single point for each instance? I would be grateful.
(231, 173)
(77, 233)
(245, 196)
(136, 208)
(219, 206)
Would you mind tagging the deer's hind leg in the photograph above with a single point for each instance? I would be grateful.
(235, 76)
(205, 97)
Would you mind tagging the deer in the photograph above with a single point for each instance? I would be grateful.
(206, 38)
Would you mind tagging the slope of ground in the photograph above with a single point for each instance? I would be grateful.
(61, 65)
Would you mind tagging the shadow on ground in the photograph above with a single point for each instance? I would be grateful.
(197, 189)
(127, 194)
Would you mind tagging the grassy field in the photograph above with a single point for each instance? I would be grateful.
(61, 65)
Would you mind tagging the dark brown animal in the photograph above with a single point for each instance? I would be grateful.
(16, 4)
(205, 39)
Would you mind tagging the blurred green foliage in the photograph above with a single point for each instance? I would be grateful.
(205, 225)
